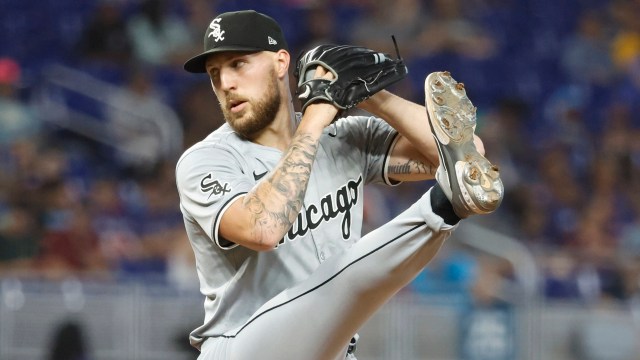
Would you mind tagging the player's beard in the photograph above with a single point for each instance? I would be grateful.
(260, 115)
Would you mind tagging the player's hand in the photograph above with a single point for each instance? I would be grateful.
(359, 73)
(321, 112)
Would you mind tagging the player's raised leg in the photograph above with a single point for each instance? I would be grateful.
(316, 319)
(468, 179)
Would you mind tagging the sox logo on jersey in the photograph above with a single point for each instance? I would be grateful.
(206, 185)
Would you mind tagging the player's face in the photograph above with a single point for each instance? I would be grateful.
(247, 88)
(255, 114)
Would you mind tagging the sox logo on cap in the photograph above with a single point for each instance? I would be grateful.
(217, 32)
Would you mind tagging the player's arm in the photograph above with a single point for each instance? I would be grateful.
(415, 155)
(261, 218)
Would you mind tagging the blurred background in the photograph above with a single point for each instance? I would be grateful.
(95, 109)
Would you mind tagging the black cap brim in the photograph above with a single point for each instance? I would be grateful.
(197, 64)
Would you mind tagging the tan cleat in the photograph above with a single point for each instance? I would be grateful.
(469, 180)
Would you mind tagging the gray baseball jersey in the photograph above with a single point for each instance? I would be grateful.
(214, 173)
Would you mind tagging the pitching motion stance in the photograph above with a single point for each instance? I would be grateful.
(273, 199)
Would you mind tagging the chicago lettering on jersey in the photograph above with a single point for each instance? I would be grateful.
(330, 207)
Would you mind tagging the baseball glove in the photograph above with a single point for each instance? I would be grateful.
(358, 73)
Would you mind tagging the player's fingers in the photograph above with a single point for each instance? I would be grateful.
(321, 72)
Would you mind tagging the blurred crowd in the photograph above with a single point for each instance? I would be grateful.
(557, 85)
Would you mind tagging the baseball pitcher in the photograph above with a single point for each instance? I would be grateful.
(273, 199)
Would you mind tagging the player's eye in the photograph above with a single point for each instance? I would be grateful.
(214, 74)
(238, 63)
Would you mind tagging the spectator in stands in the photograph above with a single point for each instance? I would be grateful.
(625, 46)
(619, 139)
(18, 120)
(566, 125)
(586, 54)
(560, 276)
(69, 342)
(20, 129)
(159, 37)
(105, 39)
(198, 15)
(528, 204)
(198, 113)
(158, 222)
(594, 243)
(629, 242)
(146, 129)
(69, 246)
(455, 273)
(72, 251)
(448, 30)
(19, 239)
(138, 225)
(563, 195)
(610, 330)
(321, 27)
(112, 220)
(506, 136)
(403, 18)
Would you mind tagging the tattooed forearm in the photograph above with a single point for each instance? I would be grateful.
(412, 167)
(276, 202)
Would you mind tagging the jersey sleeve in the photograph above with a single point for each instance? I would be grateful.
(209, 180)
(374, 139)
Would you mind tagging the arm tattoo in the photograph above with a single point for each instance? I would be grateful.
(412, 167)
(276, 202)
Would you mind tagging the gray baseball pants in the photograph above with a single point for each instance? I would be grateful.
(316, 319)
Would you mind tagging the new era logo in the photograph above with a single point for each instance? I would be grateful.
(272, 41)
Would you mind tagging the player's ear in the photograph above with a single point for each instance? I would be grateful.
(282, 63)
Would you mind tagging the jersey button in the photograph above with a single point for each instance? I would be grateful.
(322, 256)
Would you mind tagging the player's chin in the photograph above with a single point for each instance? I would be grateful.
(234, 118)
(245, 126)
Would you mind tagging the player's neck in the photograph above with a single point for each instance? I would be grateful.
(280, 132)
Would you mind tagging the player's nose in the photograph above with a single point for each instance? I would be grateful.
(228, 81)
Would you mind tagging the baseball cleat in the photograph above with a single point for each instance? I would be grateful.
(469, 180)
